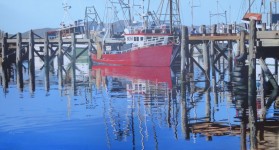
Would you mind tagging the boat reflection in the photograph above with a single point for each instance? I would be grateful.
(132, 95)
(147, 81)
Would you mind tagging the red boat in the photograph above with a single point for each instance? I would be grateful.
(143, 47)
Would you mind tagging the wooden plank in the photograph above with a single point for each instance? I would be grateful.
(51, 41)
(214, 37)
(267, 34)
(268, 42)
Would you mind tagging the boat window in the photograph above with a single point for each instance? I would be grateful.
(136, 38)
(129, 38)
(141, 38)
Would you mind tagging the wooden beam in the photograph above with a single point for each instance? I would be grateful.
(209, 37)
(267, 34)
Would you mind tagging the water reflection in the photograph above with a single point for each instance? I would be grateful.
(134, 94)
(131, 108)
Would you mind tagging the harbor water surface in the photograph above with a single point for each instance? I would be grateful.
(120, 108)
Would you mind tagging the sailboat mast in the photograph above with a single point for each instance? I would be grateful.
(129, 13)
(249, 6)
(171, 16)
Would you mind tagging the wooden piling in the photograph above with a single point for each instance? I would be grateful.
(19, 76)
(46, 62)
(73, 62)
(230, 55)
(262, 82)
(60, 61)
(182, 49)
(212, 58)
(243, 129)
(4, 63)
(208, 106)
(252, 85)
(272, 81)
(276, 69)
(242, 43)
(31, 62)
(89, 56)
(184, 118)
(263, 26)
(51, 62)
(205, 53)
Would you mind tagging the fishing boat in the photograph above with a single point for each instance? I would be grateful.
(143, 48)
(67, 26)
(150, 44)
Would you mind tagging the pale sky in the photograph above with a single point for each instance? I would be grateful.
(23, 15)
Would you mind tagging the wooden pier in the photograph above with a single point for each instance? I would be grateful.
(15, 49)
(217, 50)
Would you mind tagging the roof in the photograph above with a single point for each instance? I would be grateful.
(252, 16)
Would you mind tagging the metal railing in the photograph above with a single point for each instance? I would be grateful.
(148, 43)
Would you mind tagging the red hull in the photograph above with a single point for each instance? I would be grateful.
(155, 74)
(147, 56)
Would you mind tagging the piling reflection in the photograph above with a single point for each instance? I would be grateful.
(135, 94)
(146, 107)
(156, 100)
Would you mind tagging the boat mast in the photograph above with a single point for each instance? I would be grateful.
(249, 6)
(170, 16)
(192, 12)
(66, 18)
(126, 9)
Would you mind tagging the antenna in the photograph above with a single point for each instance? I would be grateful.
(218, 14)
(192, 12)
(66, 18)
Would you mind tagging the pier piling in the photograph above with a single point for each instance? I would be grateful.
(4, 62)
(252, 85)
(60, 61)
(46, 62)
(31, 62)
(73, 62)
(19, 76)
(212, 58)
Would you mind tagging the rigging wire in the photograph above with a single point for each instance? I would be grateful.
(240, 9)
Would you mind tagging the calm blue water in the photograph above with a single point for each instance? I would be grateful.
(115, 112)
